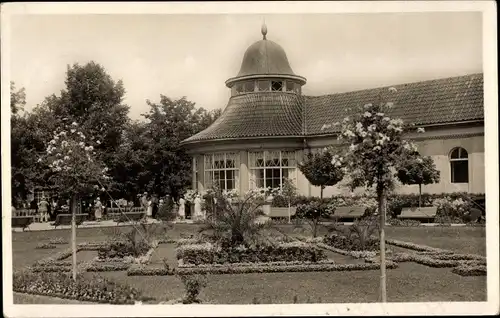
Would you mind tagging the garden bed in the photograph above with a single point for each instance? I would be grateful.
(197, 254)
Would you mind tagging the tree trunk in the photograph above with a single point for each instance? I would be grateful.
(316, 220)
(381, 209)
(419, 195)
(73, 232)
(289, 213)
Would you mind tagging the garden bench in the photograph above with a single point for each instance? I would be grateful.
(22, 222)
(282, 212)
(129, 216)
(24, 212)
(65, 219)
(423, 213)
(349, 212)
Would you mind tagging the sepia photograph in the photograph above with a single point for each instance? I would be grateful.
(290, 158)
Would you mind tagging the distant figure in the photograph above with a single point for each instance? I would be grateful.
(198, 215)
(182, 208)
(43, 208)
(98, 209)
(54, 210)
(144, 201)
(154, 202)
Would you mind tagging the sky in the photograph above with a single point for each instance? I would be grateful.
(193, 55)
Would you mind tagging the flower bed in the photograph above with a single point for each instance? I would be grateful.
(58, 241)
(349, 244)
(434, 260)
(207, 253)
(355, 254)
(135, 270)
(107, 267)
(95, 289)
(415, 247)
(229, 269)
(326, 261)
(399, 222)
(46, 246)
(470, 270)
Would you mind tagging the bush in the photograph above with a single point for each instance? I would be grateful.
(210, 254)
(121, 249)
(94, 288)
(193, 285)
(350, 244)
(58, 240)
(108, 267)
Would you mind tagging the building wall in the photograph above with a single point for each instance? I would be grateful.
(436, 143)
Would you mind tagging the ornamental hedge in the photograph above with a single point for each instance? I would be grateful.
(207, 253)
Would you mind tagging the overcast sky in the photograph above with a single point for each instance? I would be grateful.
(192, 55)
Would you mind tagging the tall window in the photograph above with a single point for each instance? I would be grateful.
(271, 168)
(221, 169)
(459, 163)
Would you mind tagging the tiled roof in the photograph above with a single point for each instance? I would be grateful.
(440, 101)
(256, 115)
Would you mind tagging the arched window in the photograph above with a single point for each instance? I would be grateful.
(459, 164)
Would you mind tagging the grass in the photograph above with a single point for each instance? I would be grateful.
(20, 298)
(410, 282)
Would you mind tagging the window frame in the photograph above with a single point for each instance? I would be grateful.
(454, 162)
(266, 157)
(211, 170)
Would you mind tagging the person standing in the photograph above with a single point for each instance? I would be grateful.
(182, 208)
(144, 202)
(197, 208)
(98, 209)
(155, 206)
(150, 208)
(43, 208)
(54, 209)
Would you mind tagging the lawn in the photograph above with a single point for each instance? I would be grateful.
(410, 282)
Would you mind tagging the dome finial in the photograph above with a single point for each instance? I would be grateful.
(264, 29)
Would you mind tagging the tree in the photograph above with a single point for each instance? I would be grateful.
(321, 169)
(76, 168)
(417, 169)
(376, 147)
(94, 100)
(17, 99)
(167, 166)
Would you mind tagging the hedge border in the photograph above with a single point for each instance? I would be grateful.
(463, 270)
(281, 263)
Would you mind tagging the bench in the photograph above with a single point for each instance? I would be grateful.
(22, 222)
(282, 212)
(349, 212)
(65, 219)
(423, 213)
(130, 216)
(25, 212)
(113, 213)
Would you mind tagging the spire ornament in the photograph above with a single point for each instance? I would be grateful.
(264, 30)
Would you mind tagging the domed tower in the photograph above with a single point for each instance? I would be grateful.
(265, 98)
(265, 67)
(254, 143)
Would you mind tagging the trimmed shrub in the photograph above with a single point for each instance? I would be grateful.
(193, 285)
(94, 289)
(108, 267)
(351, 243)
(121, 249)
(209, 254)
(58, 241)
(399, 222)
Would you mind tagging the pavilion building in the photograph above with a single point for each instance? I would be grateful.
(268, 126)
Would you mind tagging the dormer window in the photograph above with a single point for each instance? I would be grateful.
(276, 86)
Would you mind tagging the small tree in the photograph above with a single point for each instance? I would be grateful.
(416, 169)
(76, 170)
(321, 169)
(289, 192)
(376, 147)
